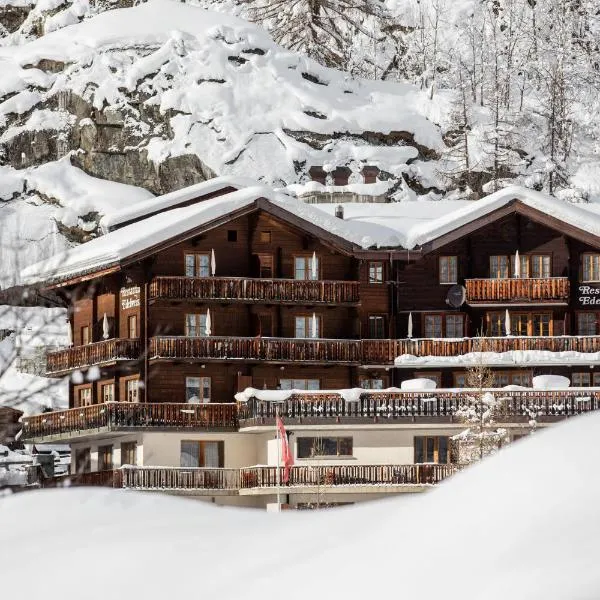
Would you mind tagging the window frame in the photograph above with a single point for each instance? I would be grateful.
(201, 389)
(105, 457)
(377, 318)
(308, 325)
(267, 257)
(198, 267)
(307, 258)
(86, 338)
(199, 325)
(202, 453)
(340, 440)
(127, 448)
(581, 313)
(582, 277)
(444, 323)
(376, 272)
(84, 391)
(306, 385)
(103, 389)
(132, 390)
(132, 319)
(424, 441)
(448, 257)
(500, 316)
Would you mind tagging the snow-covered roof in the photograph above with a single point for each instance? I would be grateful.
(404, 225)
(173, 199)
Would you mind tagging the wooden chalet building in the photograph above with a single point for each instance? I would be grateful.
(191, 298)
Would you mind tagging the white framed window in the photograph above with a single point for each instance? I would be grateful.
(197, 265)
(132, 390)
(85, 396)
(195, 325)
(448, 269)
(108, 392)
(307, 327)
(591, 267)
(376, 272)
(299, 384)
(197, 390)
(303, 267)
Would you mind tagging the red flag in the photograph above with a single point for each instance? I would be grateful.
(287, 457)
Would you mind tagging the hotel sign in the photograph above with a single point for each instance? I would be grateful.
(130, 297)
(588, 295)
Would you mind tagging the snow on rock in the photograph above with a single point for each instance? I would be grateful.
(550, 382)
(418, 384)
(41, 198)
(535, 547)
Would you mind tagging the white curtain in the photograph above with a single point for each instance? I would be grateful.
(190, 454)
(211, 455)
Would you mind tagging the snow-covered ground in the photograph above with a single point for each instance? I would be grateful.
(522, 525)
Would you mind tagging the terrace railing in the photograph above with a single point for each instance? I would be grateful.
(384, 406)
(179, 478)
(128, 415)
(255, 290)
(77, 357)
(255, 348)
(546, 289)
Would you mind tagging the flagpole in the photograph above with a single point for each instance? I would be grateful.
(277, 474)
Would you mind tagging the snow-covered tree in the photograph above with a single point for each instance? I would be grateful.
(329, 31)
(479, 412)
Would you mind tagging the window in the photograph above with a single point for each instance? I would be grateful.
(448, 269)
(132, 327)
(454, 326)
(521, 324)
(541, 265)
(132, 387)
(376, 272)
(83, 460)
(128, 453)
(460, 380)
(310, 447)
(591, 267)
(197, 390)
(108, 392)
(581, 379)
(499, 267)
(432, 449)
(372, 384)
(265, 237)
(587, 323)
(433, 326)
(504, 378)
(299, 384)
(303, 267)
(523, 265)
(308, 327)
(197, 265)
(443, 325)
(195, 325)
(232, 235)
(377, 327)
(265, 262)
(85, 396)
(85, 335)
(202, 454)
(105, 461)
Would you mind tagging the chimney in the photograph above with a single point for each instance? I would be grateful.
(339, 211)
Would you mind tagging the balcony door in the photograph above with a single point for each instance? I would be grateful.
(263, 266)
(263, 325)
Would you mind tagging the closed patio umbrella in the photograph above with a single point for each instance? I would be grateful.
(213, 262)
(105, 332)
(208, 329)
(409, 333)
(507, 322)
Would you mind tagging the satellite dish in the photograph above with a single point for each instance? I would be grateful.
(456, 296)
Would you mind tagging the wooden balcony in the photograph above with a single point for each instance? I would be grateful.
(99, 353)
(331, 476)
(280, 291)
(547, 290)
(180, 479)
(459, 346)
(282, 350)
(517, 406)
(126, 416)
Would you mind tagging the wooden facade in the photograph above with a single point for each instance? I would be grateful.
(278, 320)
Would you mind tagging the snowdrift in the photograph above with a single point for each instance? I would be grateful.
(522, 525)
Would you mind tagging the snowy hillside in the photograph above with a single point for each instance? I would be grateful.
(532, 539)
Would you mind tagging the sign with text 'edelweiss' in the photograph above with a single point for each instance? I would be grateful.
(588, 295)
(130, 297)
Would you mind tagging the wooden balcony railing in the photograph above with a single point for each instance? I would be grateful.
(515, 405)
(93, 479)
(344, 475)
(269, 349)
(179, 478)
(547, 289)
(460, 346)
(98, 353)
(255, 290)
(127, 415)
